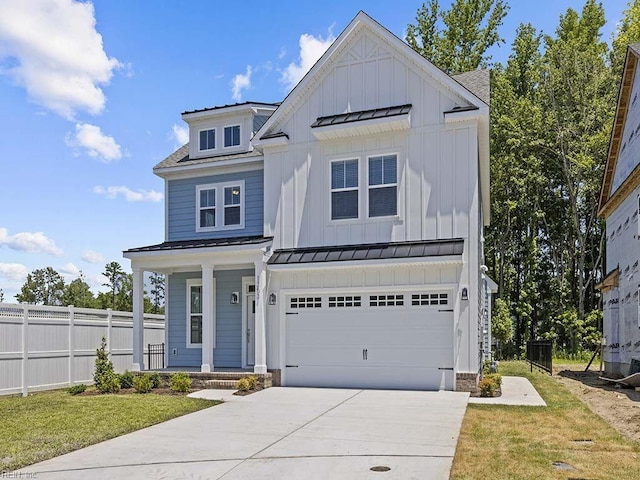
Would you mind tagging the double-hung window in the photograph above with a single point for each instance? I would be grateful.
(232, 136)
(207, 208)
(194, 312)
(207, 139)
(383, 186)
(220, 206)
(344, 189)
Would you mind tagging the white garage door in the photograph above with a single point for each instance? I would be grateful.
(381, 340)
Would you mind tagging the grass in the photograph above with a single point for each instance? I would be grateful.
(47, 424)
(506, 442)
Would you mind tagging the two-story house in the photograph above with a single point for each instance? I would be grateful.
(620, 205)
(334, 239)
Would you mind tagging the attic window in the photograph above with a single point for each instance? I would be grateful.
(207, 139)
(232, 136)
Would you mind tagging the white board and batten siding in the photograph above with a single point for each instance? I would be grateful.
(437, 165)
(43, 348)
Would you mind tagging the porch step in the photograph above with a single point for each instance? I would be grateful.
(224, 384)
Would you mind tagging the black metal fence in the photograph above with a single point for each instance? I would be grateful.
(540, 354)
(155, 356)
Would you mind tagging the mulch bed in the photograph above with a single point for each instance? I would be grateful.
(127, 391)
(244, 393)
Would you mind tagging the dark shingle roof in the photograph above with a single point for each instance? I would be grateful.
(181, 158)
(362, 115)
(477, 82)
(375, 251)
(202, 243)
(274, 135)
(219, 107)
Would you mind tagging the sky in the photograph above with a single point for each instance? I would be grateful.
(91, 95)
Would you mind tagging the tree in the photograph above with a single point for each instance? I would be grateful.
(1, 295)
(78, 293)
(457, 40)
(501, 323)
(157, 292)
(43, 286)
(627, 32)
(115, 277)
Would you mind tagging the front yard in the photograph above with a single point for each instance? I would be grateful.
(47, 424)
(503, 442)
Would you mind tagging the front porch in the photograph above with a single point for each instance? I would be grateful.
(215, 294)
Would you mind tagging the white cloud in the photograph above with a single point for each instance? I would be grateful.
(128, 194)
(180, 133)
(70, 270)
(91, 256)
(97, 144)
(29, 242)
(15, 272)
(239, 83)
(53, 50)
(311, 49)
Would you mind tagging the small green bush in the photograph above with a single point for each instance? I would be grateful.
(156, 379)
(126, 379)
(105, 379)
(180, 382)
(488, 387)
(496, 377)
(142, 383)
(77, 389)
(247, 383)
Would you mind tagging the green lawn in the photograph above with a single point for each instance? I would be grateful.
(47, 424)
(504, 442)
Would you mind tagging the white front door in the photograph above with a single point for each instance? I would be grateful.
(250, 338)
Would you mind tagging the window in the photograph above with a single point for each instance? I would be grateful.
(194, 311)
(208, 139)
(306, 302)
(232, 136)
(232, 205)
(383, 185)
(429, 299)
(347, 301)
(344, 189)
(386, 300)
(207, 208)
(220, 206)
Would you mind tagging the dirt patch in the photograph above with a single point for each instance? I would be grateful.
(618, 406)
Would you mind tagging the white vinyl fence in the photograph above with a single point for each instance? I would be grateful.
(43, 348)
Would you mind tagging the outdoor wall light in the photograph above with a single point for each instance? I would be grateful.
(272, 299)
(465, 294)
(235, 298)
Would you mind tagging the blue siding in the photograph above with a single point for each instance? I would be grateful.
(228, 351)
(182, 206)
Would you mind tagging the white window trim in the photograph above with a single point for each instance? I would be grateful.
(384, 185)
(331, 190)
(192, 282)
(239, 136)
(220, 206)
(215, 134)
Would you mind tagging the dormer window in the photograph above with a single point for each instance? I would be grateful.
(208, 139)
(220, 206)
(232, 136)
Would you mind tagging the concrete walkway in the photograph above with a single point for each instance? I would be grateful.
(284, 433)
(515, 391)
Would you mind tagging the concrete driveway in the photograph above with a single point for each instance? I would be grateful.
(285, 433)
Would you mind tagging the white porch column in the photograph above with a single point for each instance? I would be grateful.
(208, 318)
(260, 328)
(138, 319)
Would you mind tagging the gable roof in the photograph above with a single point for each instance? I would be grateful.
(610, 200)
(471, 87)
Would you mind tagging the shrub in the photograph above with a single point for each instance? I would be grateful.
(247, 383)
(105, 379)
(142, 383)
(77, 389)
(180, 382)
(496, 377)
(126, 379)
(156, 379)
(488, 387)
